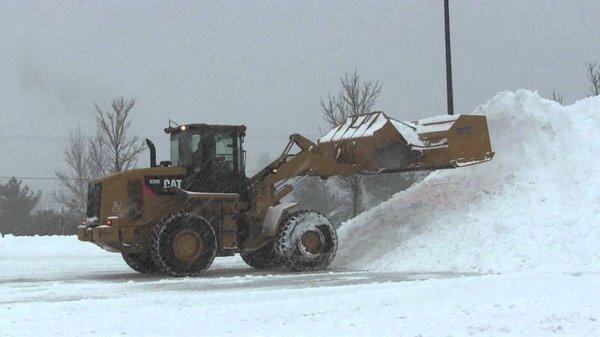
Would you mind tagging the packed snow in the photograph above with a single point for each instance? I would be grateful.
(356, 127)
(58, 286)
(367, 125)
(436, 124)
(535, 206)
(509, 247)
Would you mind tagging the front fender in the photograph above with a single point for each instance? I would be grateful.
(275, 215)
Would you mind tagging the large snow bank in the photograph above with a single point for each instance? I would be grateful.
(536, 205)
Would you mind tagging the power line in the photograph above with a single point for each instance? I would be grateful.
(39, 178)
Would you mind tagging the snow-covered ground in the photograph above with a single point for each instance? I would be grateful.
(509, 247)
(57, 286)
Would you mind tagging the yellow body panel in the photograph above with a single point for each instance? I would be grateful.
(131, 233)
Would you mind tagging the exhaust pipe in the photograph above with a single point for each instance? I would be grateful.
(152, 149)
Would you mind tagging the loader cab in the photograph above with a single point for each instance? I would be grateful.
(212, 155)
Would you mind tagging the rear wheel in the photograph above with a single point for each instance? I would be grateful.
(306, 241)
(183, 245)
(140, 262)
(262, 258)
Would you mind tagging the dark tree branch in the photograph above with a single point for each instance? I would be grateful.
(593, 74)
(113, 146)
(557, 97)
(73, 196)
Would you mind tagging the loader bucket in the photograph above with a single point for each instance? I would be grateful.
(375, 143)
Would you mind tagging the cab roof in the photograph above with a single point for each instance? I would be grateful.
(197, 126)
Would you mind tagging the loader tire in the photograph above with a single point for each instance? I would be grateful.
(262, 258)
(306, 241)
(183, 245)
(140, 262)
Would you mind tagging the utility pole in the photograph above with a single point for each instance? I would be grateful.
(449, 93)
(62, 220)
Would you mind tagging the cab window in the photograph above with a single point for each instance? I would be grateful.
(224, 150)
(195, 144)
(175, 150)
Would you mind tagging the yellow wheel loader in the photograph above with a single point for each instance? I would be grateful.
(177, 216)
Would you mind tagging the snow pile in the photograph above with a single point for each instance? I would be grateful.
(536, 205)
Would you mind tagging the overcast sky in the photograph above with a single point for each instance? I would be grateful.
(266, 64)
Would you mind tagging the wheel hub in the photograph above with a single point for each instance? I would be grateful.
(312, 242)
(187, 245)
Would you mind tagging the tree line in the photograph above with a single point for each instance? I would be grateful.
(17, 203)
(110, 149)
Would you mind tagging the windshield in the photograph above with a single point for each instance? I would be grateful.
(203, 148)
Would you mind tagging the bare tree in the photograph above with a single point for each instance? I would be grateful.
(113, 149)
(355, 98)
(593, 73)
(98, 154)
(557, 97)
(73, 195)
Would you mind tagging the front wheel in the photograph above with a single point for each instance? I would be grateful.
(306, 241)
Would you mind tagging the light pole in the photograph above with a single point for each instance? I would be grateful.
(449, 94)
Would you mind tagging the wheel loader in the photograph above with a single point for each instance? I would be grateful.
(177, 216)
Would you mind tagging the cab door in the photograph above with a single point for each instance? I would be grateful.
(214, 166)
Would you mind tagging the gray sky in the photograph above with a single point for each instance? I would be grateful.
(266, 64)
